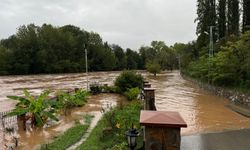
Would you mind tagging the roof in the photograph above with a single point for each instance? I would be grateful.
(162, 118)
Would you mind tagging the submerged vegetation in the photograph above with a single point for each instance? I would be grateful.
(66, 101)
(40, 109)
(70, 137)
(36, 109)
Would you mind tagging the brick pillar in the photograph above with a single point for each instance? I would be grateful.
(162, 130)
(149, 103)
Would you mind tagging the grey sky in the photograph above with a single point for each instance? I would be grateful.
(129, 23)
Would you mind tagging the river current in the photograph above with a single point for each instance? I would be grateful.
(202, 111)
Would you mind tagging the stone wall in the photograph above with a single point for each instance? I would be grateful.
(234, 96)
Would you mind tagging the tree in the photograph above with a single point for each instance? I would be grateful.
(4, 60)
(222, 18)
(153, 68)
(246, 16)
(133, 59)
(147, 55)
(233, 17)
(206, 16)
(121, 61)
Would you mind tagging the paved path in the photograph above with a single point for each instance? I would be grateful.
(230, 140)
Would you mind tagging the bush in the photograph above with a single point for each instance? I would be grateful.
(127, 80)
(132, 94)
(66, 101)
(95, 88)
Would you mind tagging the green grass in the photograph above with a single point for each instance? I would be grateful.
(114, 140)
(70, 137)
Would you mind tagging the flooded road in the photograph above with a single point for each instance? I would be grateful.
(202, 111)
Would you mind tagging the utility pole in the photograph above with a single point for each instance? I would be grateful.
(211, 52)
(86, 63)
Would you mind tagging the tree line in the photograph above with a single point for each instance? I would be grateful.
(49, 49)
(230, 63)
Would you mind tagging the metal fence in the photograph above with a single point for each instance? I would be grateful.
(8, 122)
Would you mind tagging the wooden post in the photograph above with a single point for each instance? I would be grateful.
(162, 130)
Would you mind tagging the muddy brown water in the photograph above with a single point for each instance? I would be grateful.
(202, 111)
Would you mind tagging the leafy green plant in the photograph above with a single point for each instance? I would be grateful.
(127, 80)
(39, 108)
(132, 94)
(66, 101)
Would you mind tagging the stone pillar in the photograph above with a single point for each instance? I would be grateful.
(149, 103)
(147, 85)
(162, 130)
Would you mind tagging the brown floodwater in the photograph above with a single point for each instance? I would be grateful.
(33, 139)
(202, 111)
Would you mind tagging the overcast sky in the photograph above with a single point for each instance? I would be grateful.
(129, 23)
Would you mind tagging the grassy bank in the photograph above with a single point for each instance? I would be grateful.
(109, 132)
(70, 137)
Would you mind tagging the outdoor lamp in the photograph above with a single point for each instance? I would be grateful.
(131, 135)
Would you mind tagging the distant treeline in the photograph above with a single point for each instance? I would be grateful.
(49, 49)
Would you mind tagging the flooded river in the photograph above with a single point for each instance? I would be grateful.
(202, 111)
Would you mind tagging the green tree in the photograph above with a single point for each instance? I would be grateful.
(222, 18)
(233, 16)
(153, 68)
(246, 15)
(206, 16)
(133, 59)
(4, 60)
(121, 61)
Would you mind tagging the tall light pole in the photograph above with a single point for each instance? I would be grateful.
(86, 67)
(211, 50)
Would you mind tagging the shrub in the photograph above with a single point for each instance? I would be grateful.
(95, 88)
(67, 101)
(132, 94)
(127, 80)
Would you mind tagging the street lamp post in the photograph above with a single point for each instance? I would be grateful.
(86, 63)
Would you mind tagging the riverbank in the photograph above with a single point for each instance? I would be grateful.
(234, 95)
